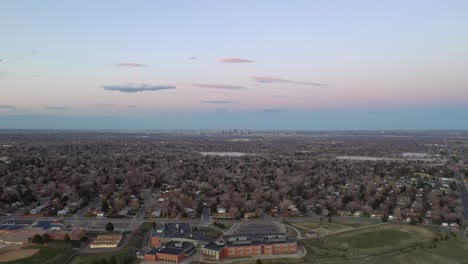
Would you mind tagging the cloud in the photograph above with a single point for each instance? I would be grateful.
(135, 88)
(234, 60)
(130, 64)
(219, 102)
(105, 105)
(130, 106)
(269, 79)
(7, 107)
(33, 52)
(192, 58)
(218, 86)
(56, 108)
(273, 110)
(3, 74)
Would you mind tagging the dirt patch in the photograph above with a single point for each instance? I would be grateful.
(16, 253)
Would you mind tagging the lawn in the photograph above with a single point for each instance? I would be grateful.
(136, 241)
(274, 261)
(52, 253)
(383, 244)
(375, 239)
(454, 250)
(291, 232)
(210, 232)
(325, 225)
(88, 258)
(388, 243)
(224, 226)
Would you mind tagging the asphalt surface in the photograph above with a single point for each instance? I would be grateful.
(206, 215)
(462, 191)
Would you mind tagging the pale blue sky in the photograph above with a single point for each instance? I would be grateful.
(128, 64)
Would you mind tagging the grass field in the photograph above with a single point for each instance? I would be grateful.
(386, 244)
(291, 232)
(16, 254)
(325, 225)
(455, 250)
(210, 232)
(273, 261)
(383, 244)
(374, 239)
(136, 241)
(52, 253)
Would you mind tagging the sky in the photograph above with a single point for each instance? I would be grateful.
(234, 64)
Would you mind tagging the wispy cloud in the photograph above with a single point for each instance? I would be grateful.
(130, 64)
(234, 60)
(3, 74)
(218, 86)
(219, 102)
(270, 79)
(7, 107)
(272, 110)
(33, 52)
(135, 88)
(192, 58)
(130, 106)
(56, 108)
(105, 105)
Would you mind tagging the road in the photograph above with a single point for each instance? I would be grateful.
(462, 191)
(96, 223)
(206, 215)
(95, 202)
(461, 186)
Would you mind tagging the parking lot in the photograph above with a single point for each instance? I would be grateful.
(249, 228)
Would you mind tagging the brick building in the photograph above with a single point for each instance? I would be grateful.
(106, 241)
(238, 246)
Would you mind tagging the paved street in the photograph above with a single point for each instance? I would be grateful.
(206, 215)
(462, 191)
(461, 186)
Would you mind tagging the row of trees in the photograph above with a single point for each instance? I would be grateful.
(45, 238)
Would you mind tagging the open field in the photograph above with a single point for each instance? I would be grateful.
(53, 253)
(376, 238)
(388, 244)
(382, 244)
(17, 253)
(328, 226)
(210, 232)
(273, 261)
(136, 241)
(291, 232)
